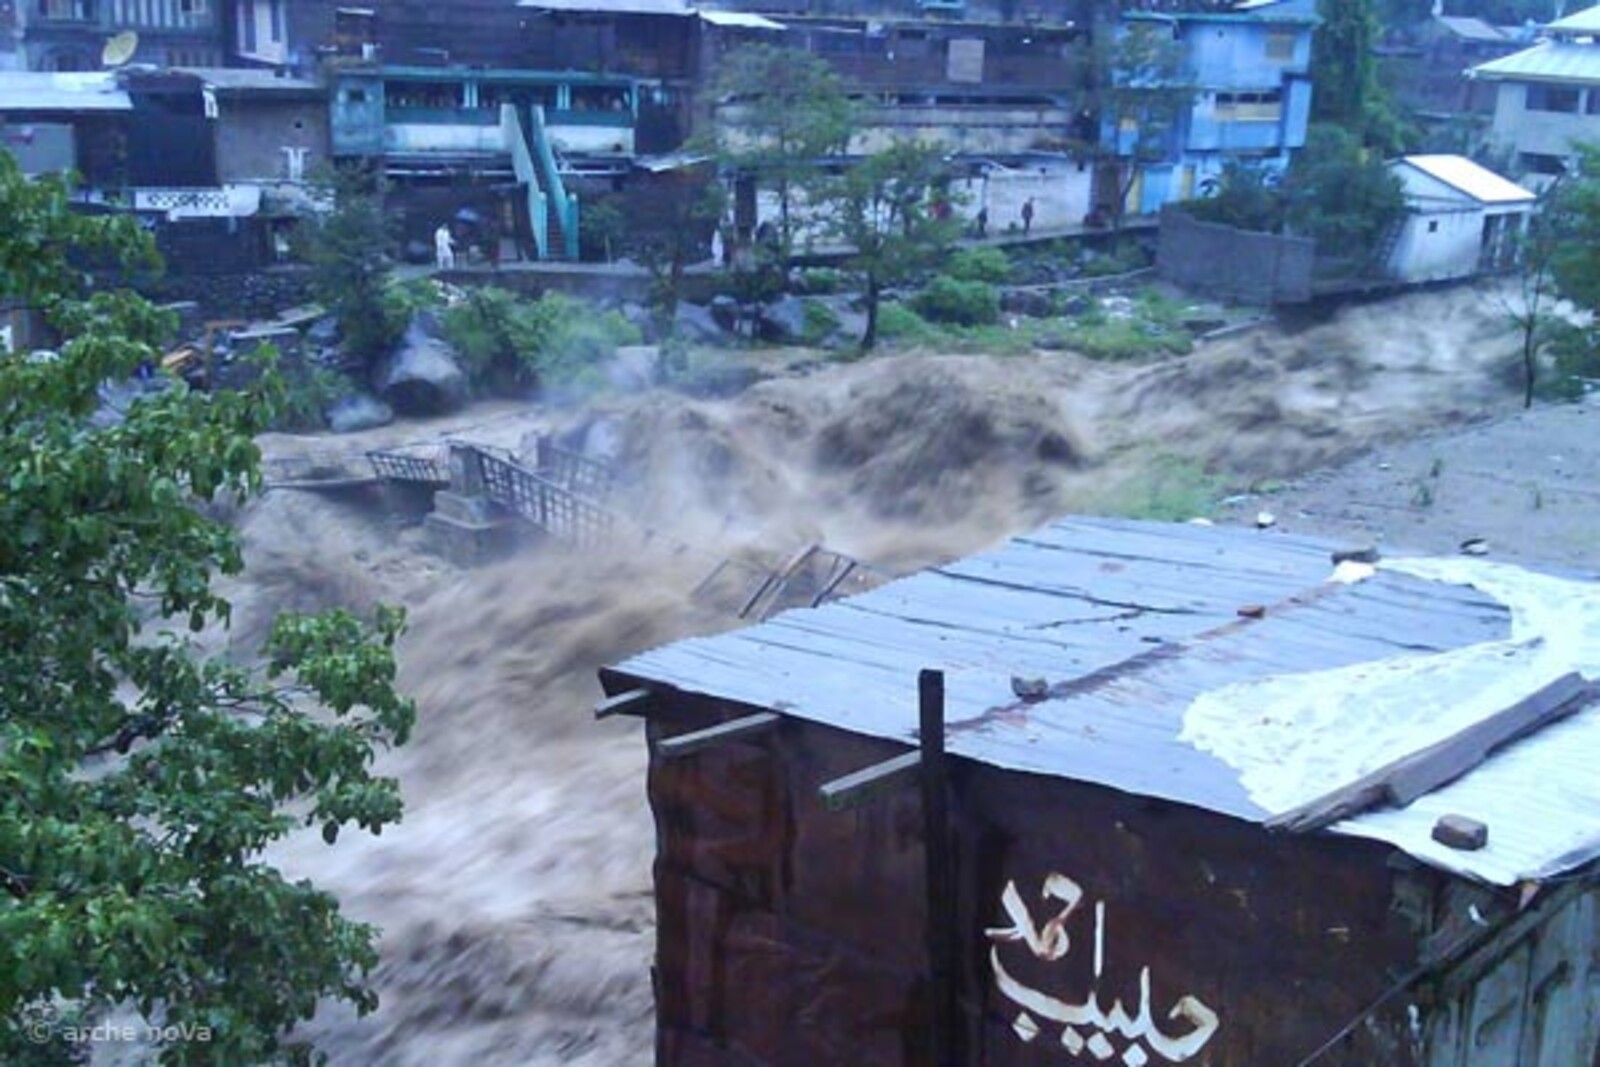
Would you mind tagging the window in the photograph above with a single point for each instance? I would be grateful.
(75, 10)
(1592, 102)
(192, 7)
(1280, 47)
(355, 96)
(1433, 225)
(1559, 98)
(1250, 107)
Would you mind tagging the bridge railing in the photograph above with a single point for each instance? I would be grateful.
(553, 509)
(574, 471)
(418, 468)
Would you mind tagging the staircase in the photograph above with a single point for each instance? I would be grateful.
(563, 207)
(522, 165)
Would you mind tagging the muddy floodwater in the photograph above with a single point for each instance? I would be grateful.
(515, 895)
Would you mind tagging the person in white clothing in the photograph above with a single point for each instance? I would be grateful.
(444, 249)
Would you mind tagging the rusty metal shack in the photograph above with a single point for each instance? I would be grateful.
(1134, 793)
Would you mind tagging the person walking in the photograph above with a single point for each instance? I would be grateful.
(1027, 216)
(444, 248)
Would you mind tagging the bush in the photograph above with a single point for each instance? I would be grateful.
(1574, 362)
(899, 322)
(1107, 265)
(980, 265)
(961, 303)
(557, 341)
(821, 323)
(823, 280)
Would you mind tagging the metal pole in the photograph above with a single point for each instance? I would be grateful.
(942, 931)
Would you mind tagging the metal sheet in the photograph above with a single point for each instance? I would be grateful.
(1480, 183)
(1130, 625)
(1560, 61)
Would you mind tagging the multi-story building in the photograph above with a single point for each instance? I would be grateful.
(71, 35)
(1248, 73)
(1547, 97)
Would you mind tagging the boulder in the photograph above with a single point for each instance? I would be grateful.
(725, 312)
(694, 323)
(362, 411)
(423, 376)
(783, 321)
(1029, 302)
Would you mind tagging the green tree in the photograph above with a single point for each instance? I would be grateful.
(1348, 93)
(1530, 308)
(1575, 259)
(781, 111)
(351, 272)
(881, 209)
(1338, 194)
(1245, 197)
(140, 780)
(1141, 89)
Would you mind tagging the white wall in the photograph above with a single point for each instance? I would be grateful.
(447, 137)
(1450, 249)
(1060, 191)
(1546, 132)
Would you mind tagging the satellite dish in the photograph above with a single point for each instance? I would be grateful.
(119, 49)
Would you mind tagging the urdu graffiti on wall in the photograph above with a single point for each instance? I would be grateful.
(1087, 1025)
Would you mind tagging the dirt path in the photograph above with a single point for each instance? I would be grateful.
(1528, 484)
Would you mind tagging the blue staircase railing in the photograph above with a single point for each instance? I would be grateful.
(527, 174)
(562, 203)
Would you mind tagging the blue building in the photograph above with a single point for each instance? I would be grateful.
(1249, 70)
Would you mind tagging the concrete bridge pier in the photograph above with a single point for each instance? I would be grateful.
(466, 526)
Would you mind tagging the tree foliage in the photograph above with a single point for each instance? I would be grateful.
(140, 780)
(557, 341)
(783, 110)
(881, 208)
(1575, 211)
(1141, 89)
(1340, 195)
(348, 249)
(1348, 93)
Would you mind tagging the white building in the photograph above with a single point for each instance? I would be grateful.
(1462, 219)
(1548, 96)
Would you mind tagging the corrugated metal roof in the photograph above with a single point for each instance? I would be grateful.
(1470, 29)
(41, 91)
(1552, 61)
(1585, 21)
(1480, 183)
(1160, 688)
(740, 20)
(613, 7)
(250, 79)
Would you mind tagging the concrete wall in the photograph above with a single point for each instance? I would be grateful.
(1060, 195)
(1441, 245)
(1234, 55)
(1437, 245)
(1545, 132)
(1232, 264)
(253, 132)
(253, 295)
(1001, 130)
(1060, 191)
